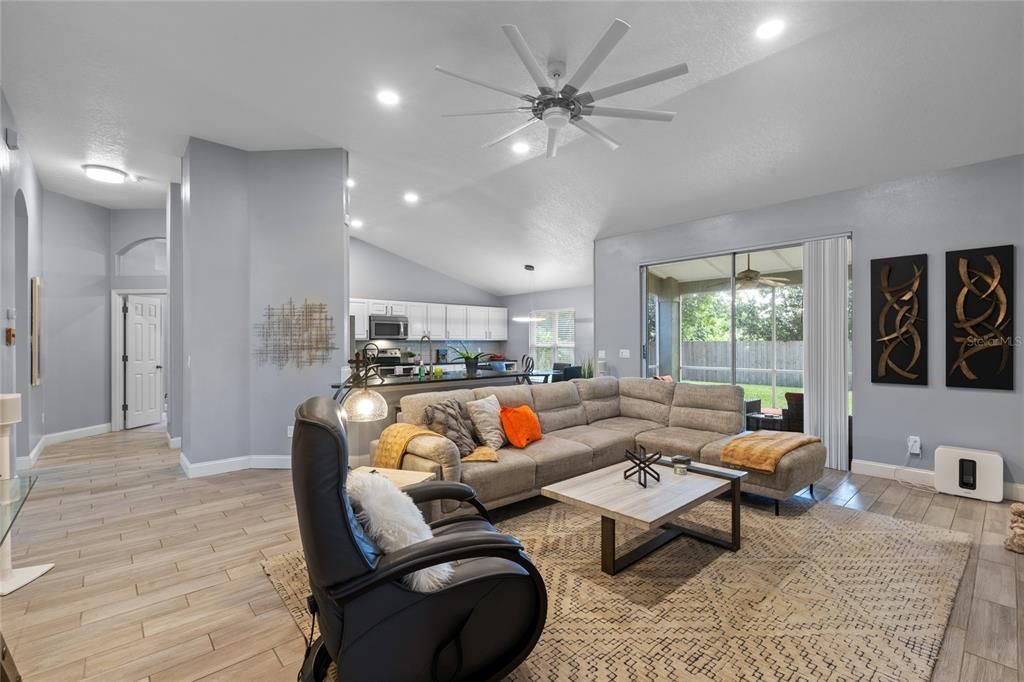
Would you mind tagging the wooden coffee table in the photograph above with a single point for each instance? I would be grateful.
(605, 492)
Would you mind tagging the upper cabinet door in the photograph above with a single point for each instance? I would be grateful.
(456, 324)
(436, 321)
(379, 307)
(497, 324)
(398, 308)
(476, 323)
(417, 314)
(360, 310)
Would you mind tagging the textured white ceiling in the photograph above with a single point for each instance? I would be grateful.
(850, 94)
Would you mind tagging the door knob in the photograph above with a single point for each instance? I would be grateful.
(159, 366)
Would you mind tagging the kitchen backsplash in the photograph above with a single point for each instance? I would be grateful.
(489, 347)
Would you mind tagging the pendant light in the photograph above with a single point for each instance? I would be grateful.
(531, 317)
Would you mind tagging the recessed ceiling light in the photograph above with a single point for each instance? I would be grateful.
(520, 147)
(388, 98)
(772, 28)
(411, 198)
(107, 174)
(356, 223)
(350, 183)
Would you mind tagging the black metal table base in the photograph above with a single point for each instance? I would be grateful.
(612, 564)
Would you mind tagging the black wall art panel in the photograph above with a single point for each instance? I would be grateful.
(979, 318)
(899, 327)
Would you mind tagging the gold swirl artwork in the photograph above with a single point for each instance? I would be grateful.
(899, 337)
(979, 350)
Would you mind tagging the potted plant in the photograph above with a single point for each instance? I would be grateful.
(587, 371)
(472, 360)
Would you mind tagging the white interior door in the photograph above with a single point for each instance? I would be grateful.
(143, 368)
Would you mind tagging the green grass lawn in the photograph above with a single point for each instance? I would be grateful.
(763, 392)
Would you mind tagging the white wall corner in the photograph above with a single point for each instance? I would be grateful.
(173, 443)
(1011, 491)
(28, 462)
(223, 466)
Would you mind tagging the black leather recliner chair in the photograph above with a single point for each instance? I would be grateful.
(481, 626)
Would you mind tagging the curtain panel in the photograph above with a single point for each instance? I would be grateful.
(826, 330)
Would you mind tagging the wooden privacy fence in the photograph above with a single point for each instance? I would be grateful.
(710, 361)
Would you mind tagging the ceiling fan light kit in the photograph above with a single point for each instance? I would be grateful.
(559, 105)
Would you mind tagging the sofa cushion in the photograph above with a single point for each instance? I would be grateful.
(512, 474)
(508, 396)
(795, 470)
(558, 406)
(413, 405)
(715, 407)
(558, 459)
(609, 446)
(600, 397)
(676, 440)
(629, 425)
(486, 417)
(450, 419)
(645, 399)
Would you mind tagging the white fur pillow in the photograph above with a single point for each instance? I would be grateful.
(393, 521)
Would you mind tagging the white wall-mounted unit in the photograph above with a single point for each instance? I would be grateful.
(970, 473)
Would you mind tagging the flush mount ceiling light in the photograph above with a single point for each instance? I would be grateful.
(411, 198)
(113, 176)
(531, 317)
(521, 148)
(772, 28)
(388, 98)
(356, 223)
(350, 183)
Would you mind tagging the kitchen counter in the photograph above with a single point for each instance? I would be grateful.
(447, 378)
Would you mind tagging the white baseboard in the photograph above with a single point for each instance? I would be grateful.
(1011, 491)
(173, 443)
(223, 466)
(59, 437)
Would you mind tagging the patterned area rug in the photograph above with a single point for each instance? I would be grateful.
(820, 593)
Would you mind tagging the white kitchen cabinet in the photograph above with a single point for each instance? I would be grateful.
(378, 307)
(360, 310)
(418, 322)
(436, 320)
(456, 322)
(497, 324)
(389, 308)
(476, 323)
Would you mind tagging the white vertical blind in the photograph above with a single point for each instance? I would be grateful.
(553, 337)
(825, 345)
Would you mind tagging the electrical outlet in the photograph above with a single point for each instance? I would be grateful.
(624, 353)
(291, 427)
(914, 445)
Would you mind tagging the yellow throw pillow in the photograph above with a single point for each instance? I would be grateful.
(481, 454)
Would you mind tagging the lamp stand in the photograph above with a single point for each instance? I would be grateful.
(12, 578)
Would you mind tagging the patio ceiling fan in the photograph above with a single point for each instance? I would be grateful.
(751, 279)
(559, 104)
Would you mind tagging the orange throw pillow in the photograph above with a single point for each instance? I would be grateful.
(521, 425)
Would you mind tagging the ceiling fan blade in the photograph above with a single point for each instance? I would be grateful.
(552, 142)
(634, 84)
(529, 61)
(485, 112)
(490, 86)
(594, 131)
(619, 112)
(510, 133)
(600, 52)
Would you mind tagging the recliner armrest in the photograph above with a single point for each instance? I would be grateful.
(446, 490)
(438, 550)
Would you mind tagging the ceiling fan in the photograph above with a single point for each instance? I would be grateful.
(559, 104)
(751, 279)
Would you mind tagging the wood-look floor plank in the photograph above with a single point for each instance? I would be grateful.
(992, 633)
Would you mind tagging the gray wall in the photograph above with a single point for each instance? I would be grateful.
(174, 333)
(581, 299)
(76, 314)
(971, 206)
(127, 228)
(380, 274)
(20, 258)
(257, 229)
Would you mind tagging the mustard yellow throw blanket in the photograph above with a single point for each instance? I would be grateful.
(395, 438)
(762, 450)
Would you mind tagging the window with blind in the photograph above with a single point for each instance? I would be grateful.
(553, 337)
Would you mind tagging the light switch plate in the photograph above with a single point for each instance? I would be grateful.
(624, 353)
(600, 355)
(291, 428)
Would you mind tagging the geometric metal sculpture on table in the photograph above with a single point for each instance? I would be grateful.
(643, 465)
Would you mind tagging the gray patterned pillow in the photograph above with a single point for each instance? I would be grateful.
(449, 418)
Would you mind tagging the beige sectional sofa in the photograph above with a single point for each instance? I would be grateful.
(589, 423)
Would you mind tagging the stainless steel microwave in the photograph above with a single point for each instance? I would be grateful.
(389, 327)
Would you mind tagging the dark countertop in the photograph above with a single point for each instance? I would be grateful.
(447, 378)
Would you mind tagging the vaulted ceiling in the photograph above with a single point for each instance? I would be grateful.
(849, 94)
